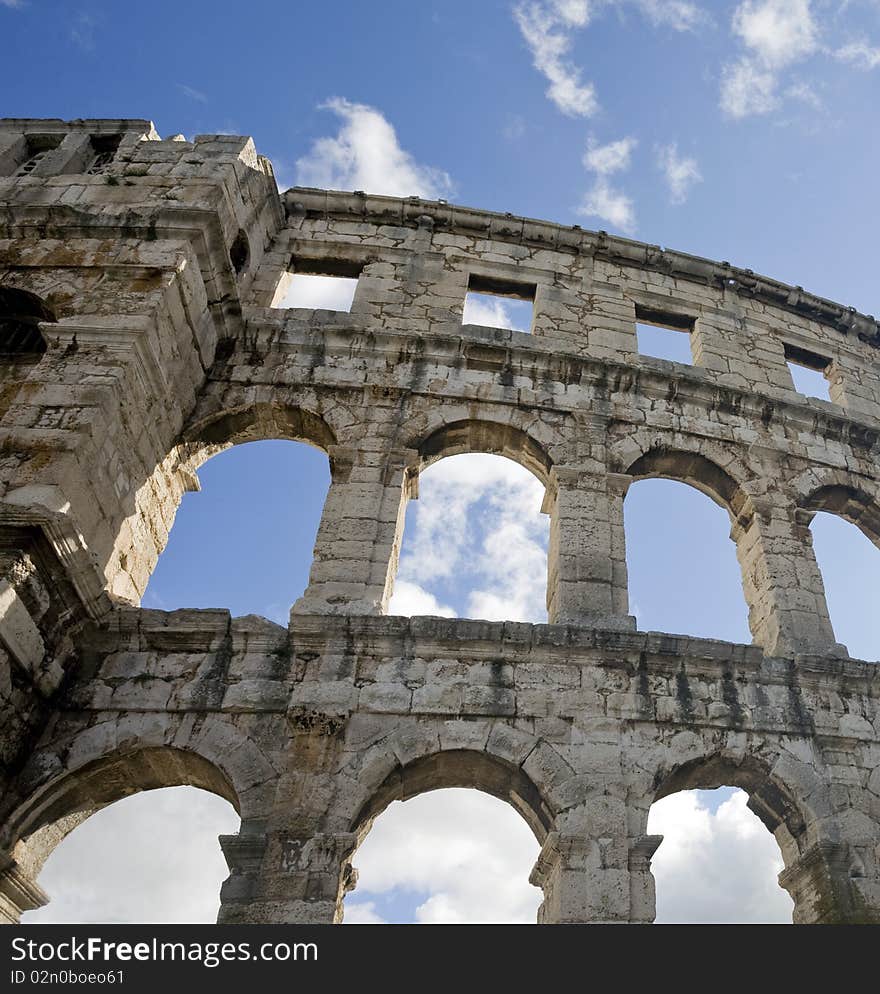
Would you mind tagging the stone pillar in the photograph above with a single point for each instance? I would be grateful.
(782, 582)
(642, 892)
(824, 892)
(358, 541)
(282, 879)
(17, 893)
(585, 880)
(586, 559)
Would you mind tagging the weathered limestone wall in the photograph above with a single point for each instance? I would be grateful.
(153, 269)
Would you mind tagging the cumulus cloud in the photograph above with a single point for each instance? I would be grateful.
(410, 599)
(460, 856)
(547, 30)
(860, 54)
(148, 859)
(776, 34)
(748, 88)
(604, 200)
(365, 154)
(715, 867)
(679, 171)
(610, 204)
(779, 32)
(476, 535)
(495, 312)
(610, 158)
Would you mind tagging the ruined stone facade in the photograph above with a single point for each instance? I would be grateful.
(138, 338)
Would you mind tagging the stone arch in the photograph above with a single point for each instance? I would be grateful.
(770, 797)
(468, 768)
(492, 437)
(250, 423)
(204, 437)
(851, 497)
(789, 797)
(65, 783)
(484, 754)
(21, 313)
(694, 469)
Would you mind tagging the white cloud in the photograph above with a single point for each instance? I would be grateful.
(805, 93)
(410, 599)
(546, 29)
(748, 88)
(777, 34)
(362, 913)
(678, 14)
(610, 158)
(680, 172)
(467, 855)
(612, 205)
(150, 858)
(495, 312)
(477, 525)
(715, 867)
(12, 3)
(548, 26)
(602, 199)
(860, 54)
(328, 293)
(194, 94)
(365, 154)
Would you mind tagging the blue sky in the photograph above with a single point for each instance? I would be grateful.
(742, 130)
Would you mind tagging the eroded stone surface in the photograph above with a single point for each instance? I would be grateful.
(137, 278)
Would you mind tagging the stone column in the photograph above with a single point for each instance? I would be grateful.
(642, 892)
(824, 891)
(585, 880)
(782, 582)
(282, 879)
(17, 893)
(586, 559)
(358, 541)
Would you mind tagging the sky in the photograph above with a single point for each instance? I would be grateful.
(743, 131)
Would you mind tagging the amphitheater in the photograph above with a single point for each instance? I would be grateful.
(137, 278)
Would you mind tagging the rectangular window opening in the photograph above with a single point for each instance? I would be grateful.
(325, 285)
(104, 149)
(38, 147)
(664, 336)
(809, 372)
(495, 303)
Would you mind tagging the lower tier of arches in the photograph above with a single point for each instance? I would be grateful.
(312, 733)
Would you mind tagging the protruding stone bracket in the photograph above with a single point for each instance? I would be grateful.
(18, 894)
(47, 507)
(821, 886)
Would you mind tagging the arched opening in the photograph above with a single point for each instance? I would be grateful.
(240, 253)
(448, 856)
(475, 542)
(20, 316)
(717, 863)
(713, 843)
(450, 837)
(846, 534)
(684, 577)
(150, 858)
(147, 816)
(245, 540)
